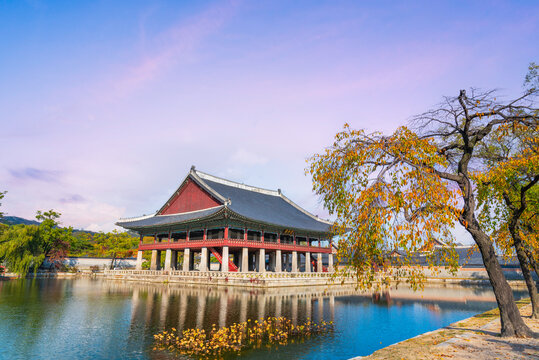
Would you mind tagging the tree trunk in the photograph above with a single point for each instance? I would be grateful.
(511, 321)
(526, 273)
(112, 262)
(533, 264)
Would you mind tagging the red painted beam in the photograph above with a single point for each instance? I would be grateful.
(233, 243)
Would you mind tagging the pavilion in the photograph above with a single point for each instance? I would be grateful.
(254, 229)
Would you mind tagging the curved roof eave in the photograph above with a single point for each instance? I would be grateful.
(218, 210)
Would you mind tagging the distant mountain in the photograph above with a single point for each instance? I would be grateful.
(15, 220)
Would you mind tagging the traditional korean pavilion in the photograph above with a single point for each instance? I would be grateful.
(255, 229)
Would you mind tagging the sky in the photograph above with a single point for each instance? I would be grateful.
(105, 106)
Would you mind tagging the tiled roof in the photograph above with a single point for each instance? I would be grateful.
(263, 205)
(260, 205)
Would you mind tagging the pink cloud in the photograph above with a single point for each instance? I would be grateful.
(176, 45)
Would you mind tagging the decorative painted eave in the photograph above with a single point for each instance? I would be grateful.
(171, 219)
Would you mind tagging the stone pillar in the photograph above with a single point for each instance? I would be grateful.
(243, 307)
(320, 308)
(319, 263)
(139, 260)
(272, 261)
(255, 262)
(168, 259)
(308, 307)
(261, 260)
(183, 311)
(294, 310)
(261, 300)
(203, 260)
(174, 263)
(201, 311)
(278, 261)
(186, 259)
(294, 261)
(165, 299)
(244, 259)
(307, 262)
(224, 261)
(154, 264)
(223, 309)
(330, 263)
(278, 305)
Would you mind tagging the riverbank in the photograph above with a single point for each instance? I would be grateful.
(474, 338)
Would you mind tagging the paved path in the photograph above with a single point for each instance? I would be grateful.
(473, 338)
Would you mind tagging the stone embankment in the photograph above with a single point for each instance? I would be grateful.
(474, 338)
(215, 278)
(465, 276)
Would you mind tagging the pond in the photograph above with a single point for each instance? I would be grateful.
(100, 319)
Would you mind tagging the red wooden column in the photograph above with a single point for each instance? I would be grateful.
(245, 234)
(278, 238)
(154, 238)
(141, 238)
(226, 232)
(169, 235)
(205, 236)
(294, 239)
(262, 235)
(187, 235)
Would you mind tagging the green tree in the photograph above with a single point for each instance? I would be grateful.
(24, 248)
(81, 244)
(115, 245)
(2, 194)
(3, 227)
(404, 190)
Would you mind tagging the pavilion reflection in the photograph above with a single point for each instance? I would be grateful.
(160, 307)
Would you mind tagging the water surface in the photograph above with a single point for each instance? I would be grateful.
(100, 319)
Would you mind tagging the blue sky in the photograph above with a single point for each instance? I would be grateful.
(104, 106)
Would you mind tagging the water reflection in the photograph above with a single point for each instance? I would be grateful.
(186, 307)
(107, 319)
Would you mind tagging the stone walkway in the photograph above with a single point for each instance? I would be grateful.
(473, 338)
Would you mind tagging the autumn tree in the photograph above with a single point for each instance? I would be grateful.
(24, 248)
(507, 189)
(404, 190)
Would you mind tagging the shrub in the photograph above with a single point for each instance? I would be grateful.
(237, 337)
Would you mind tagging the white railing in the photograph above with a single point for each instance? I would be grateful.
(218, 274)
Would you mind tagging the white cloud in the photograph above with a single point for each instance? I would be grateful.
(242, 156)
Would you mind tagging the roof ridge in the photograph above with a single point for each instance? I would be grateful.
(193, 211)
(205, 176)
(135, 218)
